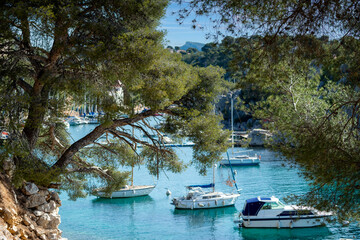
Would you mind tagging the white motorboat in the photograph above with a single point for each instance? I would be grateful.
(126, 192)
(241, 160)
(196, 198)
(269, 212)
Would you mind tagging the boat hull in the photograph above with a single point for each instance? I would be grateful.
(206, 203)
(128, 193)
(295, 222)
(240, 162)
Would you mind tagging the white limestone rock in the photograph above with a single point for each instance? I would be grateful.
(4, 233)
(26, 220)
(258, 137)
(32, 227)
(54, 235)
(49, 221)
(30, 189)
(35, 200)
(38, 213)
(7, 216)
(44, 193)
(13, 229)
(55, 196)
(39, 231)
(8, 167)
(47, 207)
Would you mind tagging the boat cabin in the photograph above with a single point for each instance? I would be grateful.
(254, 206)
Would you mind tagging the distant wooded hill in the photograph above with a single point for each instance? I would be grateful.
(195, 45)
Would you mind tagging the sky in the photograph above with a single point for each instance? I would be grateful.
(177, 34)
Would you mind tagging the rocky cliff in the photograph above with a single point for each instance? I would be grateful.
(29, 213)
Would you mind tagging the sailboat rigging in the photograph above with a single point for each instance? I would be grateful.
(197, 198)
(242, 159)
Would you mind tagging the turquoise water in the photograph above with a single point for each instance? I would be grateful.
(152, 217)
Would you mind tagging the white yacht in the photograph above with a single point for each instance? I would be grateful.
(197, 198)
(269, 212)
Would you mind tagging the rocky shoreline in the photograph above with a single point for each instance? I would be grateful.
(32, 213)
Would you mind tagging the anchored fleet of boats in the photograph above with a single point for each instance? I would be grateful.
(258, 212)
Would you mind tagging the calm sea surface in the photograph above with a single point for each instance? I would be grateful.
(152, 217)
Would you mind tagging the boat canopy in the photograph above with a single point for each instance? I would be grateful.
(252, 207)
(201, 186)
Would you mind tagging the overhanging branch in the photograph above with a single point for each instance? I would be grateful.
(66, 157)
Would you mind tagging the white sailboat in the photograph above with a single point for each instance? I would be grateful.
(126, 191)
(198, 198)
(244, 159)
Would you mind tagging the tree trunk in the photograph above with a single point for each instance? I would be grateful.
(37, 111)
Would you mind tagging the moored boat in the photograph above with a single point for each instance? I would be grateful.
(241, 160)
(126, 192)
(197, 198)
(269, 212)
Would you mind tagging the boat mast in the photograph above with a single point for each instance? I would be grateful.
(133, 164)
(232, 123)
(132, 175)
(213, 177)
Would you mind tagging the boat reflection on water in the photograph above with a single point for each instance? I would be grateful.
(284, 233)
(123, 201)
(201, 217)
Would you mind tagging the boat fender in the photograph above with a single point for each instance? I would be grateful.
(168, 192)
(223, 202)
(291, 224)
(216, 202)
(208, 204)
(278, 224)
(201, 204)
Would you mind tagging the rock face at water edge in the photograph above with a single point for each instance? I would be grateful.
(32, 213)
(258, 137)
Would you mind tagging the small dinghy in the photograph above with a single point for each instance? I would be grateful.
(269, 212)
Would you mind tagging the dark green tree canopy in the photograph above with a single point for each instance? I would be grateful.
(304, 56)
(54, 54)
(273, 18)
